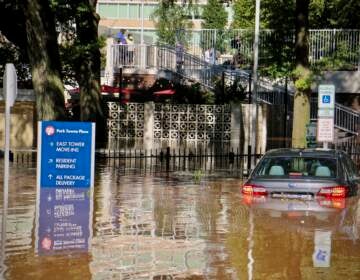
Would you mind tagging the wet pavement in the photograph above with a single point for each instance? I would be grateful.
(176, 225)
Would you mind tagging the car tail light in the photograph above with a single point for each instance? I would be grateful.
(333, 192)
(251, 189)
(251, 199)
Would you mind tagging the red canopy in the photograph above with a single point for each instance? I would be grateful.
(107, 89)
(110, 89)
(164, 92)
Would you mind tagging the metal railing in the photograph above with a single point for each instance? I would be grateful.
(189, 66)
(338, 47)
(194, 68)
(136, 56)
(340, 44)
(345, 118)
(269, 92)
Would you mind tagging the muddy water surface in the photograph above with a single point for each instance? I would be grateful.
(184, 225)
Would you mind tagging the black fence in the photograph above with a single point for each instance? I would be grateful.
(223, 158)
(226, 164)
(352, 148)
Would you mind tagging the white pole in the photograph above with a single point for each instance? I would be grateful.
(142, 47)
(6, 186)
(142, 22)
(255, 78)
(10, 93)
(256, 47)
(251, 260)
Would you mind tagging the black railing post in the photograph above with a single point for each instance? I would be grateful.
(250, 91)
(120, 81)
(167, 156)
(285, 111)
(223, 86)
(249, 160)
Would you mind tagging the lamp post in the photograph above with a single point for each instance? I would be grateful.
(142, 23)
(255, 79)
(142, 46)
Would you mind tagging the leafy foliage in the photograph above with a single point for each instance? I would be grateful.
(9, 53)
(334, 14)
(244, 13)
(214, 15)
(303, 78)
(230, 91)
(338, 60)
(171, 21)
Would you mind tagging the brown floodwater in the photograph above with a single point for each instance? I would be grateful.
(178, 225)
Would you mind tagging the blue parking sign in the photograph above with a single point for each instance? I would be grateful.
(65, 186)
(66, 154)
(326, 99)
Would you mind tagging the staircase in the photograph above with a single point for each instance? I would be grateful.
(195, 69)
(192, 67)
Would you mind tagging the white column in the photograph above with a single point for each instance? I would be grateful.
(149, 109)
(236, 123)
(110, 62)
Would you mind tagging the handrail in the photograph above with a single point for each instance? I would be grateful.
(194, 68)
(346, 118)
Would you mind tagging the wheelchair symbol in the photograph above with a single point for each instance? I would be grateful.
(326, 99)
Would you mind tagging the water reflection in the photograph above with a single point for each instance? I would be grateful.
(296, 239)
(64, 219)
(322, 248)
(177, 226)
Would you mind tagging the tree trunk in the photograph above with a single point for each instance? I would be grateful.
(88, 74)
(44, 59)
(302, 77)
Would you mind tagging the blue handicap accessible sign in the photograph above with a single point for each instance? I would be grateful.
(66, 154)
(326, 99)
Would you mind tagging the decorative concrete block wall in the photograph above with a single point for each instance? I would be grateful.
(156, 125)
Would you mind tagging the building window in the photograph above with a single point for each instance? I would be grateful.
(124, 10)
(134, 11)
(108, 10)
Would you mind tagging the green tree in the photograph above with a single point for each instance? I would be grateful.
(214, 15)
(13, 41)
(277, 63)
(79, 21)
(322, 13)
(319, 12)
(244, 14)
(346, 14)
(171, 20)
(43, 53)
(35, 40)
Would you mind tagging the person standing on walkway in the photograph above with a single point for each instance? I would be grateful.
(121, 40)
(130, 49)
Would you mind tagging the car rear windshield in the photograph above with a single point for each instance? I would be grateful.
(297, 166)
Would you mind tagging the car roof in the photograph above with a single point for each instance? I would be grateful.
(307, 152)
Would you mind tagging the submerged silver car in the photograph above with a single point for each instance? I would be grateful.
(304, 174)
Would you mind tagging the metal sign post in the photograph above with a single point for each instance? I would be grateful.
(10, 93)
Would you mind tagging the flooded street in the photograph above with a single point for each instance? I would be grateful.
(181, 225)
